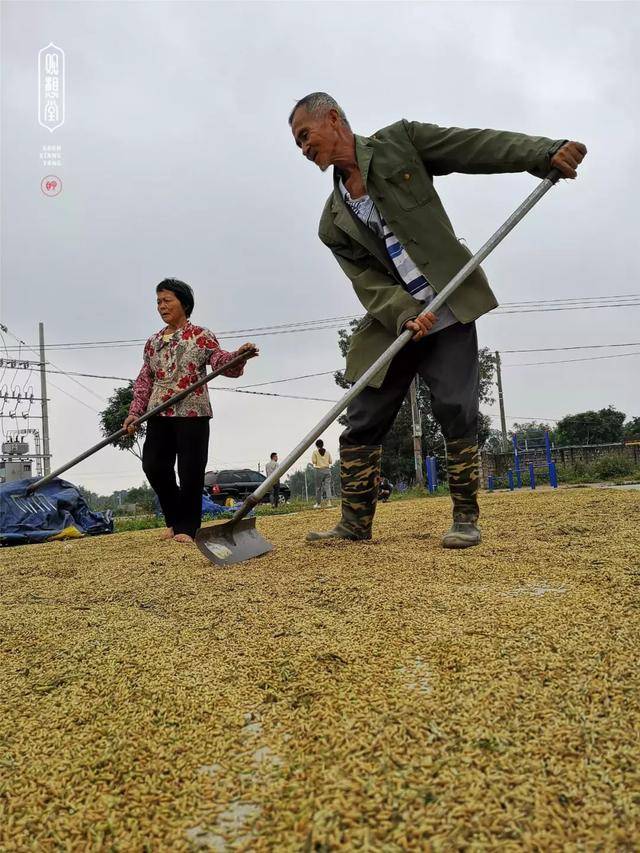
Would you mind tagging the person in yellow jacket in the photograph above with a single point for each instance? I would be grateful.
(321, 461)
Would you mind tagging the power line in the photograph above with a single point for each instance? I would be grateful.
(37, 352)
(22, 343)
(110, 345)
(331, 372)
(253, 385)
(532, 349)
(530, 306)
(241, 390)
(282, 331)
(245, 388)
(571, 360)
(583, 346)
(234, 331)
(289, 379)
(522, 417)
(500, 312)
(77, 399)
(273, 394)
(574, 299)
(298, 326)
(92, 375)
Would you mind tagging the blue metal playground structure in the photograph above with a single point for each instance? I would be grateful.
(431, 464)
(531, 447)
(538, 457)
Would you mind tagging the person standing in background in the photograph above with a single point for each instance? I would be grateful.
(321, 461)
(269, 468)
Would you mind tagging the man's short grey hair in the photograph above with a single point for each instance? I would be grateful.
(318, 104)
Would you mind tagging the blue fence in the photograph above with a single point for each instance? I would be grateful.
(514, 478)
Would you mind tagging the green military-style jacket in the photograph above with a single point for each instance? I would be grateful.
(398, 164)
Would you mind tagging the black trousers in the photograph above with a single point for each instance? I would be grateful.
(188, 440)
(448, 363)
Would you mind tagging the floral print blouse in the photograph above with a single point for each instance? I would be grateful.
(172, 362)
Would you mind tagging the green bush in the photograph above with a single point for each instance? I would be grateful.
(122, 523)
(579, 472)
(294, 505)
(419, 492)
(610, 466)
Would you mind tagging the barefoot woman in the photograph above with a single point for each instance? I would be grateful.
(174, 358)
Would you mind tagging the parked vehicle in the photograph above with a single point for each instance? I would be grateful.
(238, 485)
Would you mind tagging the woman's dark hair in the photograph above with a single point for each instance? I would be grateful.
(182, 290)
(320, 446)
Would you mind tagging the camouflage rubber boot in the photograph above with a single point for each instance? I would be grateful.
(462, 462)
(359, 477)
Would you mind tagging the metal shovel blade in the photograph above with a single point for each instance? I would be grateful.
(228, 542)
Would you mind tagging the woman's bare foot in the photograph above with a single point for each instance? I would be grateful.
(167, 534)
(183, 538)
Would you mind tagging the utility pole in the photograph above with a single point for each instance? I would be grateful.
(417, 432)
(503, 421)
(45, 408)
(36, 436)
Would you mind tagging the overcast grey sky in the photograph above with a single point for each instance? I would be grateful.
(177, 161)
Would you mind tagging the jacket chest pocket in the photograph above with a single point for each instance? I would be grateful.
(409, 185)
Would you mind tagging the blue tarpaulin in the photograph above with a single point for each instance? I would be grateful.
(55, 511)
(209, 507)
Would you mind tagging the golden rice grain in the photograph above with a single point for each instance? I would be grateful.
(378, 696)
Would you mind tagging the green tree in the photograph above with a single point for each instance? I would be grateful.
(143, 496)
(98, 502)
(485, 427)
(631, 430)
(493, 441)
(296, 482)
(601, 427)
(397, 449)
(93, 500)
(533, 432)
(112, 417)
(335, 479)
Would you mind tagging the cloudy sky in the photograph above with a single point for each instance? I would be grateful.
(177, 161)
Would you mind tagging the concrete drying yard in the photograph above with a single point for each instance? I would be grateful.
(382, 696)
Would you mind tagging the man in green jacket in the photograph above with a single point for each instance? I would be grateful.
(388, 230)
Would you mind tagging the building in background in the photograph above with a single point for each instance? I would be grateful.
(15, 462)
